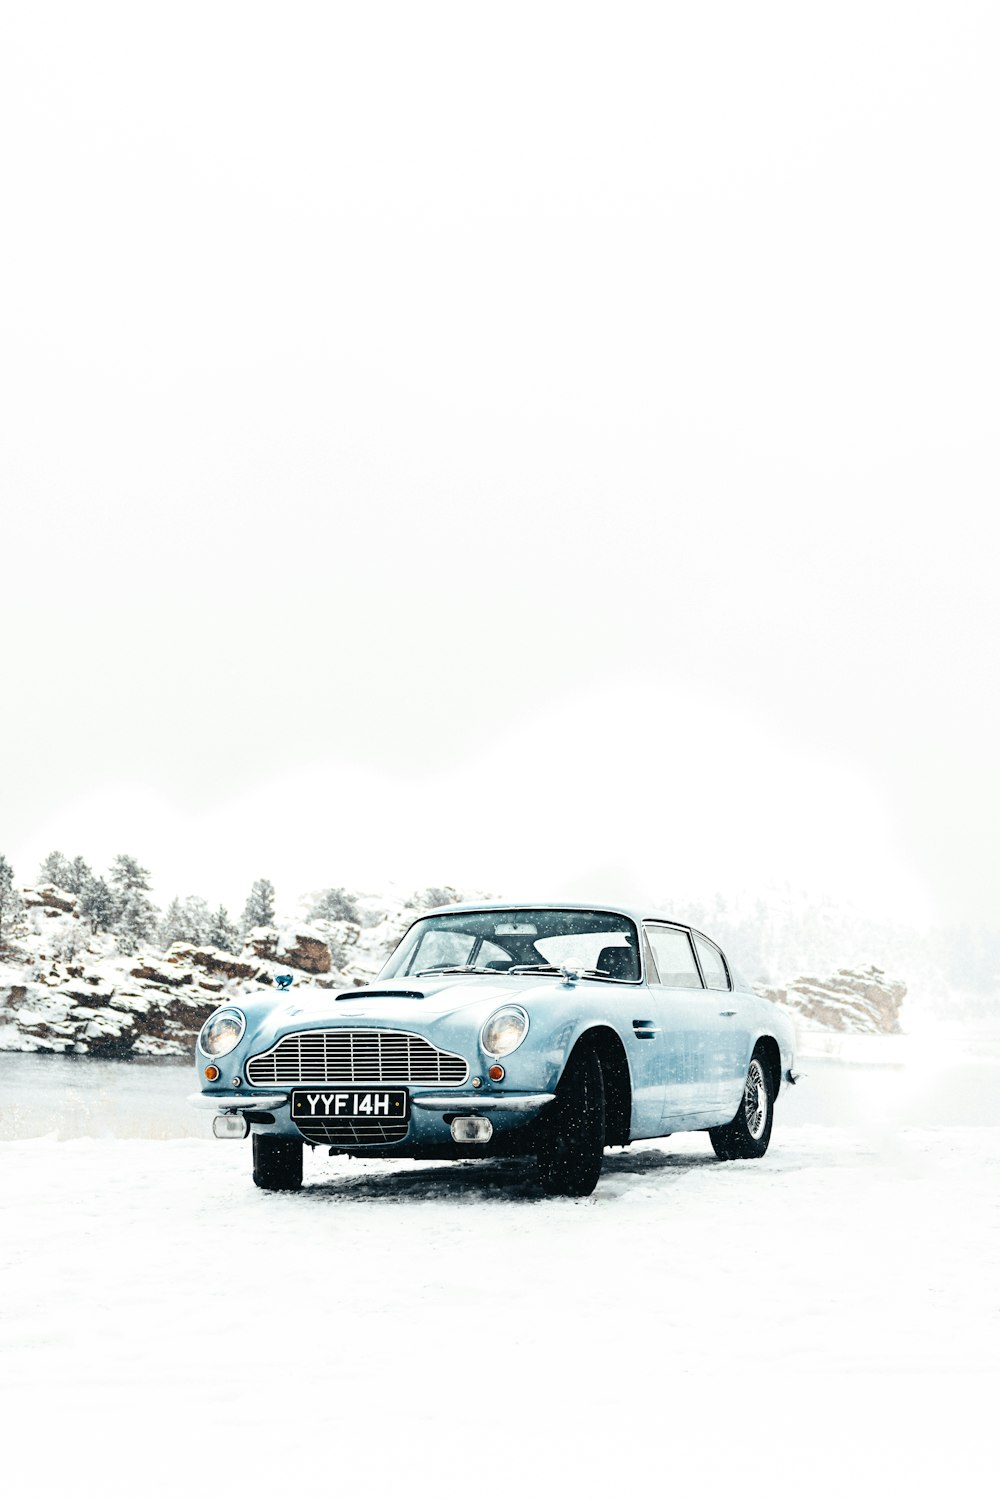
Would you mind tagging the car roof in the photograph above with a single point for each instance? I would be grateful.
(635, 913)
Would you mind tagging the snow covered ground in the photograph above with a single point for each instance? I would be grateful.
(826, 1319)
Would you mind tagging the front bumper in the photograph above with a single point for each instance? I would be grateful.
(429, 1134)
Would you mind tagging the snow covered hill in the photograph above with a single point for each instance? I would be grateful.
(852, 1000)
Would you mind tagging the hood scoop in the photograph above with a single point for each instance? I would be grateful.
(383, 995)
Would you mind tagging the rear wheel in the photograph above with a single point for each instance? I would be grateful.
(572, 1145)
(748, 1133)
(277, 1163)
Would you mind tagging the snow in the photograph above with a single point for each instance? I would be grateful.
(830, 1313)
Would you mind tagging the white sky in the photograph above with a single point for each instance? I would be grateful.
(546, 449)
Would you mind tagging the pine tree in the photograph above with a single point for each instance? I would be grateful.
(334, 905)
(135, 923)
(97, 905)
(11, 904)
(135, 913)
(172, 927)
(128, 875)
(222, 933)
(197, 919)
(77, 875)
(259, 910)
(56, 870)
(185, 921)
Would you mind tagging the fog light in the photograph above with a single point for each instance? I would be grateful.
(230, 1127)
(211, 1072)
(471, 1128)
(496, 1072)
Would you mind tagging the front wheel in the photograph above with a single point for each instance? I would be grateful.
(748, 1133)
(277, 1163)
(572, 1145)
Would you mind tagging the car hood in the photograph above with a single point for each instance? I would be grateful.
(449, 1006)
(421, 1002)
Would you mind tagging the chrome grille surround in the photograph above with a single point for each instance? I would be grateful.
(345, 1056)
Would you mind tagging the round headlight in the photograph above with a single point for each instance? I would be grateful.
(221, 1032)
(505, 1030)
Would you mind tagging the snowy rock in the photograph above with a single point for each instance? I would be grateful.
(152, 975)
(851, 1000)
(212, 960)
(262, 942)
(51, 900)
(301, 948)
(121, 1010)
(307, 951)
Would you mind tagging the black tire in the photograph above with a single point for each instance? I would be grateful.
(749, 1131)
(571, 1150)
(277, 1163)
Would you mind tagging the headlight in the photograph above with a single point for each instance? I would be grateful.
(505, 1030)
(221, 1032)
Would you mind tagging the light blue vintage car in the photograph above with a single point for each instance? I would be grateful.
(540, 1031)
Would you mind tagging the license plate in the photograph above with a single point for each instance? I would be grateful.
(350, 1104)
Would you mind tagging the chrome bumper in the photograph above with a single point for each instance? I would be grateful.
(480, 1102)
(237, 1101)
(477, 1103)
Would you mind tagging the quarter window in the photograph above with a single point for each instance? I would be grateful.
(674, 958)
(713, 965)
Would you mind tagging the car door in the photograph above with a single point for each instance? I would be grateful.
(692, 1054)
(734, 1036)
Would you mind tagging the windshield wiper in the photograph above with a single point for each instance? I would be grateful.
(457, 969)
(556, 969)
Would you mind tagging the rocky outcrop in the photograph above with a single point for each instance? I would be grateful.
(213, 961)
(262, 943)
(150, 974)
(304, 951)
(300, 948)
(104, 1023)
(851, 1000)
(52, 901)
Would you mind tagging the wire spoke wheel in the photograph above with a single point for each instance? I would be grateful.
(749, 1131)
(755, 1100)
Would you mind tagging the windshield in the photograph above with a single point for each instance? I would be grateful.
(601, 944)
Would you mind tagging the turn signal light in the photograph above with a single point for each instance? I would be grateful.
(496, 1072)
(211, 1072)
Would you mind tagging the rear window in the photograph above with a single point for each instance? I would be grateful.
(713, 965)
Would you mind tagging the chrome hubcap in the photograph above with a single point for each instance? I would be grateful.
(755, 1100)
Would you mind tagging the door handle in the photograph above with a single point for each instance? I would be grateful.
(727, 1013)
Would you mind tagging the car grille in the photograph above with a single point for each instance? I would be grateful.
(352, 1132)
(342, 1056)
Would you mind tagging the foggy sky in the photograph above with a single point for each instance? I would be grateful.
(549, 449)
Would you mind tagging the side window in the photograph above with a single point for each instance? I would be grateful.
(713, 965)
(674, 958)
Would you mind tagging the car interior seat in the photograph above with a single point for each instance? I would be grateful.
(617, 962)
